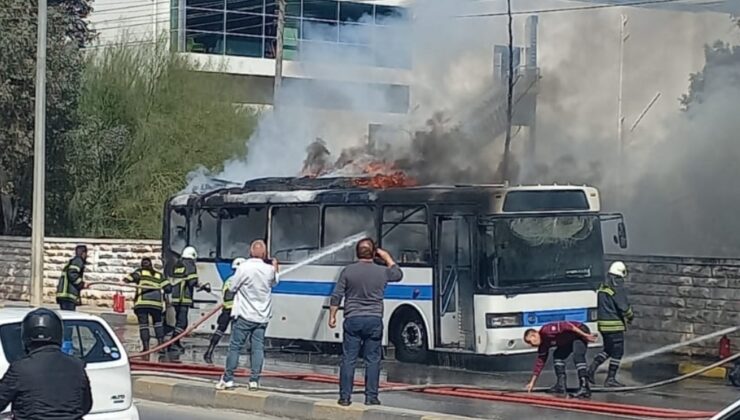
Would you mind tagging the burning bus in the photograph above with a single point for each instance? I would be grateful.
(481, 263)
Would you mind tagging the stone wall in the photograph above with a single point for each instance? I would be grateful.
(677, 299)
(108, 260)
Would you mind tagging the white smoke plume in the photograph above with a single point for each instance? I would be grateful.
(452, 69)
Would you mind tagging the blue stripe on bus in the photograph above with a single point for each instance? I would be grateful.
(325, 288)
(539, 318)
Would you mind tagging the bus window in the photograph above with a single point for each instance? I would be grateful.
(342, 222)
(294, 233)
(203, 234)
(239, 227)
(178, 229)
(405, 234)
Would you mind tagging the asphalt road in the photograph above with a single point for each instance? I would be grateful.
(156, 411)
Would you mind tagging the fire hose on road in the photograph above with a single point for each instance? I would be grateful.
(500, 394)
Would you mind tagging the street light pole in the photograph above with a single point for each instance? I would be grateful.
(623, 36)
(39, 164)
(279, 51)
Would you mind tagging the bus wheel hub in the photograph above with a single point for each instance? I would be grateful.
(411, 335)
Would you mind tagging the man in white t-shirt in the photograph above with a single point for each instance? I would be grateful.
(252, 284)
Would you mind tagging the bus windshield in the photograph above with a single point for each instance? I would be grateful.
(524, 252)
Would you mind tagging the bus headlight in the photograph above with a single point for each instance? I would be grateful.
(503, 320)
(593, 314)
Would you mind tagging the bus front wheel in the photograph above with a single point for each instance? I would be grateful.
(409, 337)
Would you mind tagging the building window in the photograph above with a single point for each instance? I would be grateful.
(321, 9)
(333, 28)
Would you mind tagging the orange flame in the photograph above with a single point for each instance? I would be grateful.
(384, 175)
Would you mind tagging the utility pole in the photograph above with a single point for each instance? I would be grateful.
(279, 51)
(509, 95)
(623, 36)
(39, 164)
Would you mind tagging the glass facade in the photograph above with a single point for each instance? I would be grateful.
(319, 29)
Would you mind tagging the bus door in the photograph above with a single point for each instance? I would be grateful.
(454, 286)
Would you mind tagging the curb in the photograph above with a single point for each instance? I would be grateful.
(689, 367)
(174, 391)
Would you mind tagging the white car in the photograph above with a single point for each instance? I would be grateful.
(731, 412)
(92, 339)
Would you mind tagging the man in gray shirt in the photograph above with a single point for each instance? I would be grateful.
(362, 286)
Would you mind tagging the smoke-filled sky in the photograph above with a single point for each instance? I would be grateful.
(674, 164)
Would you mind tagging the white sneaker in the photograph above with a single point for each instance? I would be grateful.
(254, 386)
(223, 385)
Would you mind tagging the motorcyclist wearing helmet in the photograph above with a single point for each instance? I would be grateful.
(185, 281)
(614, 314)
(224, 319)
(46, 383)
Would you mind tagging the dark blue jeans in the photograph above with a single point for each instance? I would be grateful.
(359, 332)
(241, 331)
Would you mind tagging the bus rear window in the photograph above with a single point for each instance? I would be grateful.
(559, 200)
(88, 340)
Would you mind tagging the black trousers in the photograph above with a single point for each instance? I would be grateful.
(613, 350)
(224, 319)
(614, 344)
(181, 318)
(143, 315)
(577, 348)
(67, 305)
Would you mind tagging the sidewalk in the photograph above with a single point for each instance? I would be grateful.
(177, 391)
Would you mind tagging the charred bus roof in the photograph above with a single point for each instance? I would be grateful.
(496, 198)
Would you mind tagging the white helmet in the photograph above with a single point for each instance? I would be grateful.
(189, 253)
(618, 269)
(237, 262)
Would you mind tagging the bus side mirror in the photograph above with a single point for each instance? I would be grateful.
(621, 237)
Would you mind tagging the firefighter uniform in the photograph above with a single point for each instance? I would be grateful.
(223, 322)
(185, 280)
(149, 302)
(614, 313)
(71, 284)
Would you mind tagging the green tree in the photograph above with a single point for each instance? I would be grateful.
(67, 35)
(722, 66)
(149, 117)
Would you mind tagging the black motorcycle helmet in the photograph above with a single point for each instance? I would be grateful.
(41, 327)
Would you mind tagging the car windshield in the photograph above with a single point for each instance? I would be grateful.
(88, 340)
(535, 251)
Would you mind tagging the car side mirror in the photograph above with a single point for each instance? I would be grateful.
(621, 237)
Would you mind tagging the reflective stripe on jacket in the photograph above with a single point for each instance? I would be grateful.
(614, 311)
(154, 287)
(228, 296)
(71, 280)
(184, 279)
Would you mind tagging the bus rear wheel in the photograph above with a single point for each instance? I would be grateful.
(409, 337)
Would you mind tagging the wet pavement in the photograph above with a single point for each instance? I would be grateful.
(695, 394)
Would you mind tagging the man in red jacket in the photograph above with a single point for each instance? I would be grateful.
(566, 337)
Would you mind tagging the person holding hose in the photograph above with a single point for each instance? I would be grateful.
(71, 281)
(614, 314)
(252, 285)
(362, 287)
(149, 300)
(224, 319)
(185, 280)
(566, 337)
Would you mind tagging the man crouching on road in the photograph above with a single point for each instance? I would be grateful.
(567, 337)
(252, 284)
(362, 286)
